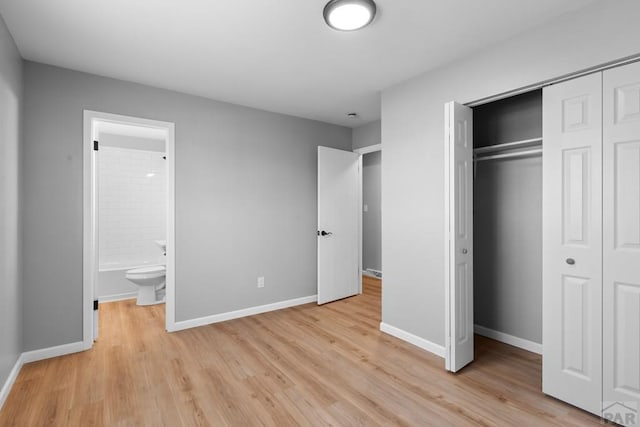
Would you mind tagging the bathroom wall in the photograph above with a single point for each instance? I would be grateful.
(132, 207)
(246, 198)
(11, 320)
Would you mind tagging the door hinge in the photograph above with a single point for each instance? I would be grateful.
(95, 304)
(95, 145)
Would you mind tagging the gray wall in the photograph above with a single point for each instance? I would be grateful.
(365, 135)
(371, 219)
(412, 140)
(507, 221)
(245, 198)
(10, 191)
(508, 247)
(114, 284)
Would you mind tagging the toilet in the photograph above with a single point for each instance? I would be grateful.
(150, 282)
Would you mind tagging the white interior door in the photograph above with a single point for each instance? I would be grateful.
(621, 235)
(459, 235)
(572, 242)
(339, 222)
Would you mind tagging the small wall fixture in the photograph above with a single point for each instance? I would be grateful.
(349, 15)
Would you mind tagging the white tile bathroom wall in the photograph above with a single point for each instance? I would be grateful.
(132, 207)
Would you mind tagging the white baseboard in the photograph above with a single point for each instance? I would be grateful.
(118, 297)
(34, 356)
(47, 353)
(531, 346)
(8, 384)
(207, 320)
(431, 347)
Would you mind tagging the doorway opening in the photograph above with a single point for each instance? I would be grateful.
(349, 227)
(494, 254)
(507, 221)
(372, 214)
(129, 220)
(371, 218)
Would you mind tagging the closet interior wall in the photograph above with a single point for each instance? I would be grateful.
(508, 220)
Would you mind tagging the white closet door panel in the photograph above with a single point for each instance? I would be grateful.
(572, 242)
(459, 164)
(621, 250)
(576, 216)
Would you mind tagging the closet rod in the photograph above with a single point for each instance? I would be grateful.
(506, 146)
(525, 153)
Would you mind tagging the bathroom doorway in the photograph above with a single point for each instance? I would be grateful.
(129, 206)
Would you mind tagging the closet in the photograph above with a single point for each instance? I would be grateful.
(591, 249)
(571, 262)
(507, 220)
(493, 227)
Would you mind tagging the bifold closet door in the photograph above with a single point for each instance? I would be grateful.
(459, 242)
(572, 242)
(621, 250)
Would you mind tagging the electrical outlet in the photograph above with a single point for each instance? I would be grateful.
(261, 282)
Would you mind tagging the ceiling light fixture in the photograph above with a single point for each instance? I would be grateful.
(349, 15)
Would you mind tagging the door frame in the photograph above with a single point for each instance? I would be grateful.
(362, 151)
(90, 262)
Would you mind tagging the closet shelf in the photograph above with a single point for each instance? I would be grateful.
(508, 146)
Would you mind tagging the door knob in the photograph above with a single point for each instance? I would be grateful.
(324, 233)
(571, 261)
(464, 251)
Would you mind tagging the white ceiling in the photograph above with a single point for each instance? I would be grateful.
(276, 55)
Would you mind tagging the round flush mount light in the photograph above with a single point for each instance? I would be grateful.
(349, 15)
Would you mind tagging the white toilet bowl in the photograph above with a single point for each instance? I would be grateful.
(150, 282)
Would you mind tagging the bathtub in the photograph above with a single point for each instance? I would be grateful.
(113, 286)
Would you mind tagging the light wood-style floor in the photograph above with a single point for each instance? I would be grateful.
(308, 365)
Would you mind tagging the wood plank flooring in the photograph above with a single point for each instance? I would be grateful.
(308, 365)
